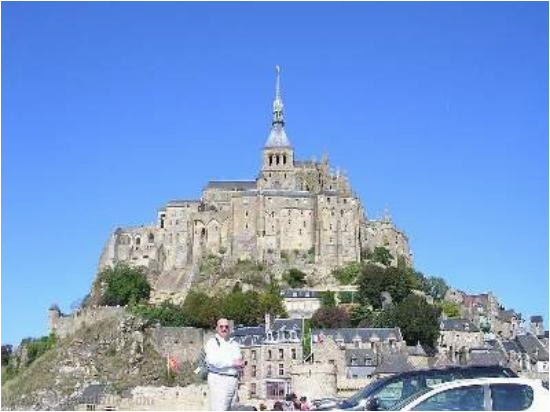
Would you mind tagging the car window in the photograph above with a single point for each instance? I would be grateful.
(511, 397)
(469, 398)
(399, 390)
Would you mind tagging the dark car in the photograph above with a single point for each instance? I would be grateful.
(385, 393)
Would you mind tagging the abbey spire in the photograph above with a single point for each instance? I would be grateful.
(277, 136)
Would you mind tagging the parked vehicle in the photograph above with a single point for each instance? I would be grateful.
(483, 394)
(385, 393)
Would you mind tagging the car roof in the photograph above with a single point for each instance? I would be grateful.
(481, 381)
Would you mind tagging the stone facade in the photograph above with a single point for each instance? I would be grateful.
(269, 352)
(457, 337)
(303, 207)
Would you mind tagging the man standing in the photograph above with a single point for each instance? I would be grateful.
(224, 360)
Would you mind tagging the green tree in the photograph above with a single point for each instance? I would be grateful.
(347, 274)
(295, 278)
(271, 303)
(362, 315)
(167, 314)
(326, 317)
(202, 311)
(374, 280)
(418, 320)
(328, 299)
(124, 285)
(436, 287)
(381, 255)
(451, 309)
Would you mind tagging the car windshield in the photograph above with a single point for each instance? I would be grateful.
(364, 393)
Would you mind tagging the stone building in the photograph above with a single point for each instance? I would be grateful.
(457, 337)
(301, 303)
(292, 205)
(356, 352)
(269, 353)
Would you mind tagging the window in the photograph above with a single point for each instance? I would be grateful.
(281, 354)
(275, 390)
(281, 369)
(253, 371)
(269, 371)
(269, 354)
(511, 397)
(253, 353)
(293, 353)
(252, 389)
(469, 398)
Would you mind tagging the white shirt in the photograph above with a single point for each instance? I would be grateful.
(224, 355)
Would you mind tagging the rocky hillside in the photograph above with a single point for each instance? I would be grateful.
(117, 353)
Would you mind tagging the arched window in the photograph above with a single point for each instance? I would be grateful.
(138, 241)
(270, 159)
(151, 238)
(284, 159)
(277, 159)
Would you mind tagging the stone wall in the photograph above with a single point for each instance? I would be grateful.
(162, 398)
(64, 325)
(314, 380)
(184, 343)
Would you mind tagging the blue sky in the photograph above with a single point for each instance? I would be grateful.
(438, 111)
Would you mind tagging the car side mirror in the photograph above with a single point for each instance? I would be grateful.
(373, 404)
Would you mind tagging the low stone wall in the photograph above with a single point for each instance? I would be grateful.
(162, 398)
(65, 325)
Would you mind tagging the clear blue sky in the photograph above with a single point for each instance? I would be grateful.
(438, 111)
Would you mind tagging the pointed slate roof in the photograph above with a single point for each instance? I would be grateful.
(277, 136)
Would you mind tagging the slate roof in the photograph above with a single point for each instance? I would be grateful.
(532, 346)
(463, 325)
(277, 137)
(395, 363)
(365, 334)
(416, 350)
(507, 315)
(360, 357)
(299, 293)
(536, 319)
(511, 346)
(231, 184)
(489, 357)
(257, 335)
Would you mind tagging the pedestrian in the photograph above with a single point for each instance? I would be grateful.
(224, 360)
(288, 404)
(303, 404)
(278, 406)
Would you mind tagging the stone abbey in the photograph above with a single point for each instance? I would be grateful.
(292, 207)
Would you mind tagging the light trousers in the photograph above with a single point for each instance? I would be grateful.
(222, 391)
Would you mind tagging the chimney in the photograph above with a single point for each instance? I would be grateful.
(267, 321)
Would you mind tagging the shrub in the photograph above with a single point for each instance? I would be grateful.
(327, 317)
(167, 314)
(37, 347)
(125, 285)
(346, 275)
(345, 297)
(328, 299)
(380, 255)
(295, 278)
